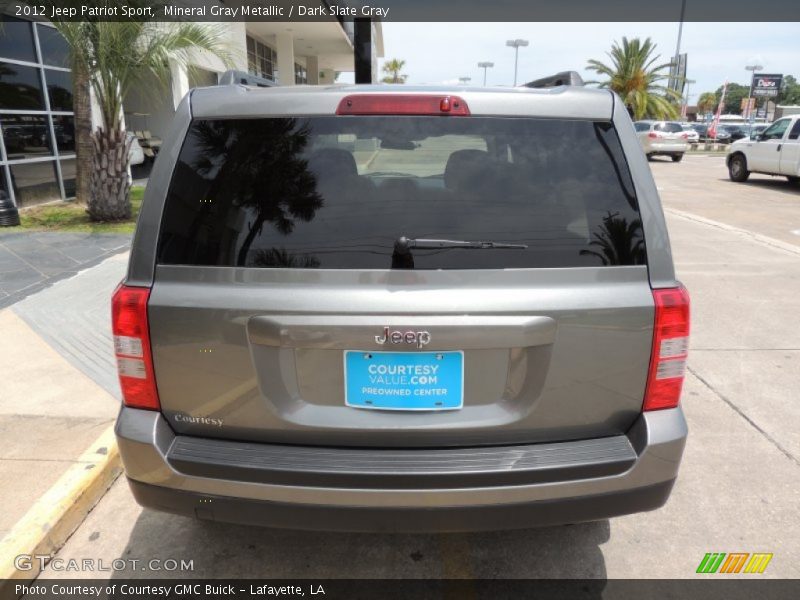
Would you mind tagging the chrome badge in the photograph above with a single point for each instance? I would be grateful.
(393, 336)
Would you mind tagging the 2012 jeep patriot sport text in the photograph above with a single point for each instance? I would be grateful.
(397, 308)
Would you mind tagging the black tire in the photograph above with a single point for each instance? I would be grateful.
(793, 179)
(649, 157)
(677, 157)
(737, 168)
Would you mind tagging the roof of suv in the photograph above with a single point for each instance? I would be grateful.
(249, 101)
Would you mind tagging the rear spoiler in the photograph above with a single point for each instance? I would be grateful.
(563, 78)
(243, 78)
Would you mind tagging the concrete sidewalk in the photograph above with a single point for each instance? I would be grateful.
(30, 261)
(59, 391)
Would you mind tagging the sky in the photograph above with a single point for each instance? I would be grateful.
(437, 53)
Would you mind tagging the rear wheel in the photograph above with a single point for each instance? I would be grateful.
(793, 179)
(677, 157)
(737, 168)
(649, 157)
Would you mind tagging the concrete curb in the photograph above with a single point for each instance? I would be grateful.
(59, 512)
(756, 237)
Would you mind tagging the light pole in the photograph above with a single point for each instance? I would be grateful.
(516, 45)
(464, 80)
(685, 111)
(484, 66)
(752, 68)
(674, 81)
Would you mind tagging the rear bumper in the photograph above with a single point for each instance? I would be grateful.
(666, 147)
(332, 489)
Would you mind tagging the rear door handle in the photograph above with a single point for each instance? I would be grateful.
(779, 147)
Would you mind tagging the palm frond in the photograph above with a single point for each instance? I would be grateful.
(635, 73)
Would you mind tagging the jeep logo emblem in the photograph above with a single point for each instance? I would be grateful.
(393, 336)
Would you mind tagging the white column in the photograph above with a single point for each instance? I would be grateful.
(312, 68)
(327, 76)
(180, 83)
(237, 33)
(284, 45)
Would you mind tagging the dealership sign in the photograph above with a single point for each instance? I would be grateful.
(767, 85)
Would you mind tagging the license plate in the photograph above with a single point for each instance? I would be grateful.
(404, 380)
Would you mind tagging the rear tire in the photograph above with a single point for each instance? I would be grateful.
(793, 179)
(737, 168)
(677, 157)
(649, 157)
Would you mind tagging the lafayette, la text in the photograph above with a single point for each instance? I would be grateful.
(198, 590)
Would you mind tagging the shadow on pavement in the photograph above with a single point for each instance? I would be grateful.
(220, 550)
(778, 183)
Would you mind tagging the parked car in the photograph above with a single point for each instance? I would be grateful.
(662, 138)
(702, 131)
(718, 134)
(736, 132)
(775, 151)
(692, 136)
(307, 339)
(754, 130)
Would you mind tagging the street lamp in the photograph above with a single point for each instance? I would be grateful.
(752, 68)
(484, 66)
(464, 80)
(516, 45)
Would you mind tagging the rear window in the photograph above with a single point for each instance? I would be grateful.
(642, 126)
(338, 192)
(668, 127)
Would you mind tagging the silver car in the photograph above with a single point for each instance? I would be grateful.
(401, 308)
(663, 138)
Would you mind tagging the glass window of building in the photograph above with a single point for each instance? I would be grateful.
(3, 184)
(20, 87)
(55, 52)
(59, 89)
(26, 136)
(16, 39)
(64, 129)
(261, 59)
(34, 183)
(68, 176)
(37, 124)
(300, 74)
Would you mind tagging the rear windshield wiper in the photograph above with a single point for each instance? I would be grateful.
(404, 244)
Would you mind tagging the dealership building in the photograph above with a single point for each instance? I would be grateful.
(37, 146)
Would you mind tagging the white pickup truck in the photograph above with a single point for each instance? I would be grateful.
(775, 151)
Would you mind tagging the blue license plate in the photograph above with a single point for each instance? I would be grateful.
(404, 380)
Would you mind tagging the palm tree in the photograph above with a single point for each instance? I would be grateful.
(634, 77)
(392, 69)
(259, 164)
(619, 242)
(82, 108)
(707, 102)
(115, 56)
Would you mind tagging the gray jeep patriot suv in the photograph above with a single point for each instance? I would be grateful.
(398, 308)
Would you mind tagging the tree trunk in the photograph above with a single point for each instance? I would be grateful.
(241, 260)
(83, 131)
(109, 198)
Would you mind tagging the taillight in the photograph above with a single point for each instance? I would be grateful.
(402, 104)
(670, 349)
(685, 136)
(653, 135)
(132, 347)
